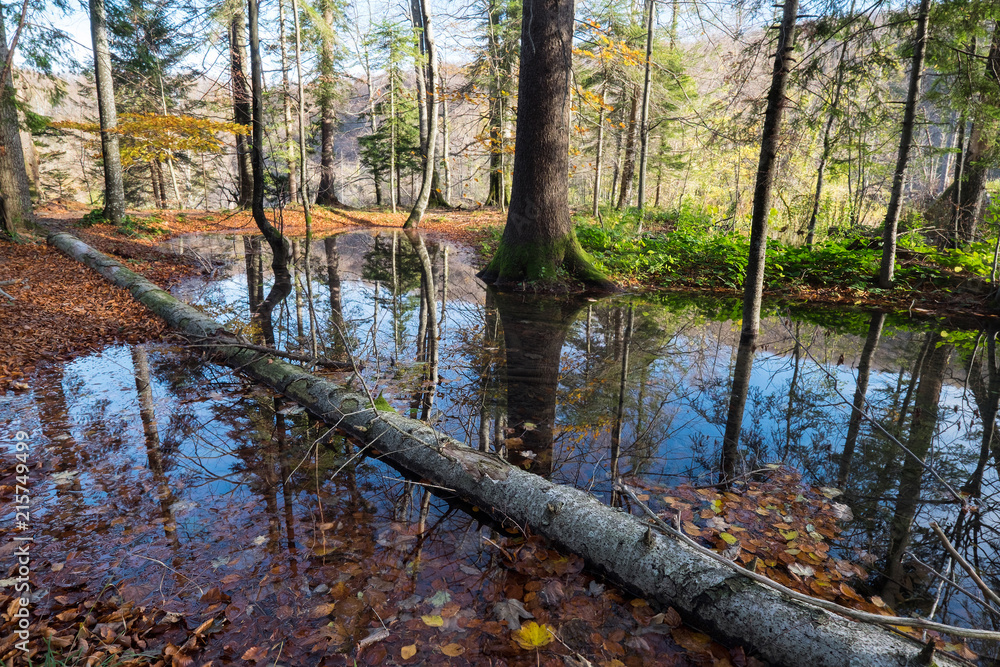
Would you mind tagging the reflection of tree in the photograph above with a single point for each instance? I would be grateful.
(616, 429)
(986, 392)
(339, 329)
(922, 429)
(534, 329)
(860, 392)
(428, 335)
(262, 309)
(737, 405)
(147, 413)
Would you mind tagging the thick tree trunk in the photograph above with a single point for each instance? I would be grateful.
(888, 266)
(114, 190)
(427, 179)
(241, 104)
(303, 172)
(14, 186)
(538, 239)
(599, 158)
(325, 195)
(645, 562)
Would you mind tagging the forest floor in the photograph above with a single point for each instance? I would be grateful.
(39, 326)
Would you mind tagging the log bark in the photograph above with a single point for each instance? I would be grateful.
(651, 564)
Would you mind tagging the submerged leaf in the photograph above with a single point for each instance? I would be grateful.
(532, 635)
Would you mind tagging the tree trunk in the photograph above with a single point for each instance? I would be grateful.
(628, 167)
(426, 182)
(14, 186)
(599, 158)
(286, 104)
(538, 239)
(241, 105)
(155, 183)
(325, 195)
(827, 140)
(888, 266)
(645, 562)
(753, 286)
(445, 147)
(644, 115)
(302, 123)
(114, 190)
(275, 239)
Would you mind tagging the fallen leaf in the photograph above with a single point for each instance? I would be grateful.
(511, 612)
(532, 635)
(453, 650)
(408, 652)
(432, 621)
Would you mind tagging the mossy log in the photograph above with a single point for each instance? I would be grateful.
(645, 562)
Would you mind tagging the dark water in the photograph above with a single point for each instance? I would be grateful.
(580, 390)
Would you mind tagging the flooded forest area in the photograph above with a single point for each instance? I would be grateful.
(499, 333)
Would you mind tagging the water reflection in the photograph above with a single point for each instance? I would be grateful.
(660, 388)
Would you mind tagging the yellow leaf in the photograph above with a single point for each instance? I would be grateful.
(408, 652)
(789, 534)
(432, 621)
(532, 635)
(453, 650)
(729, 539)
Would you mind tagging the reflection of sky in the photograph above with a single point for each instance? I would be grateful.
(680, 369)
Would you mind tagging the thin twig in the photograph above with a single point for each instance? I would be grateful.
(294, 356)
(878, 426)
(877, 619)
(985, 605)
(202, 592)
(987, 591)
(2, 293)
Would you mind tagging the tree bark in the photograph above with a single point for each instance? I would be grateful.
(426, 182)
(14, 186)
(538, 239)
(286, 105)
(275, 239)
(644, 114)
(241, 104)
(599, 158)
(628, 167)
(645, 562)
(888, 266)
(114, 190)
(753, 286)
(325, 195)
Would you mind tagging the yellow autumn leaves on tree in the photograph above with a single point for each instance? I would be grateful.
(146, 137)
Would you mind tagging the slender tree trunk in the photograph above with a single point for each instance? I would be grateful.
(114, 190)
(241, 105)
(325, 195)
(393, 172)
(286, 104)
(753, 286)
(304, 186)
(827, 140)
(888, 266)
(644, 117)
(163, 184)
(445, 146)
(155, 183)
(628, 168)
(423, 197)
(599, 159)
(277, 241)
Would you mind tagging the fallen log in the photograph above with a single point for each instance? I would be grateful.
(647, 562)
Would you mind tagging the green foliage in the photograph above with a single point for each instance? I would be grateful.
(131, 225)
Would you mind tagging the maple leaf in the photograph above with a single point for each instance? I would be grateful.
(532, 635)
(511, 612)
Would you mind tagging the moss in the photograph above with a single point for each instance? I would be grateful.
(555, 266)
